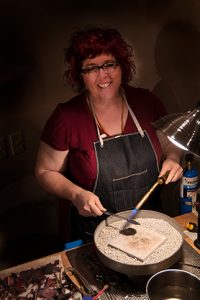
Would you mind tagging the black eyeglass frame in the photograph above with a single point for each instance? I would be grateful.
(89, 70)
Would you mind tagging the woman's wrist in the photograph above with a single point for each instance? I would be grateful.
(76, 195)
(174, 158)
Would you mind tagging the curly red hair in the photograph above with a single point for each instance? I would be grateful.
(92, 42)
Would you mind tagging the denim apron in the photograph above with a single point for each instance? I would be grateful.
(127, 167)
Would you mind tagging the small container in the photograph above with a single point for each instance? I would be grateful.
(173, 284)
(189, 186)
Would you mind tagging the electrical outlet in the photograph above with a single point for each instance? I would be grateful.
(17, 144)
(3, 148)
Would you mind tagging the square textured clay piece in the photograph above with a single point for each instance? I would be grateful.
(139, 245)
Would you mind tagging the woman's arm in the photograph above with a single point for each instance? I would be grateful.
(172, 156)
(50, 164)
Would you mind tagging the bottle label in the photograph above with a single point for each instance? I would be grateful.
(190, 181)
(189, 188)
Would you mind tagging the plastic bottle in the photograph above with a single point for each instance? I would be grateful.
(189, 186)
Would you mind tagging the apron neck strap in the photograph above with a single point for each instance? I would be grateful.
(137, 124)
(102, 136)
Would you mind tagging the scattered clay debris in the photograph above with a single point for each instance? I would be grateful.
(45, 282)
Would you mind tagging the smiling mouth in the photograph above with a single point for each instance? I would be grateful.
(104, 85)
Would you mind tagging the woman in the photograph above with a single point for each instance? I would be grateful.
(100, 150)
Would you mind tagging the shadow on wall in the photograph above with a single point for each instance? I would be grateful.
(177, 59)
(28, 223)
(16, 61)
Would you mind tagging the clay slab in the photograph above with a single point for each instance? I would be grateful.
(140, 245)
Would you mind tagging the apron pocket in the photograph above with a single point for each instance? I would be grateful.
(127, 191)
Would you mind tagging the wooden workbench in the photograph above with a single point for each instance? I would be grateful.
(183, 220)
(37, 263)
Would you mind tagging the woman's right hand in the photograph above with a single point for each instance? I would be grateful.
(88, 204)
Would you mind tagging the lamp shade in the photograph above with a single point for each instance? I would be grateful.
(183, 129)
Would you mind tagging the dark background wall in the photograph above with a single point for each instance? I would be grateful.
(33, 34)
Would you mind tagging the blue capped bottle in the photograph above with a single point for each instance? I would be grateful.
(189, 185)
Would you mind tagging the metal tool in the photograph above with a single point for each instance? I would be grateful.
(160, 180)
(88, 288)
(121, 217)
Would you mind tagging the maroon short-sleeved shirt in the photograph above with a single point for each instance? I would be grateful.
(72, 126)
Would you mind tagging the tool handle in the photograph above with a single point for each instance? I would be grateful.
(146, 196)
(159, 181)
(163, 178)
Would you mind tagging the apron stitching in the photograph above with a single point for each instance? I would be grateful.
(133, 174)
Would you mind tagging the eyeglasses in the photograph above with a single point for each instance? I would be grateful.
(107, 67)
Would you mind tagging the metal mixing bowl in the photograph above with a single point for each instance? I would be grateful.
(173, 284)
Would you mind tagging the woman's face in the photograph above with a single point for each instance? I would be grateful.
(102, 82)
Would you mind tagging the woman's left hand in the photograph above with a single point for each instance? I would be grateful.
(174, 168)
